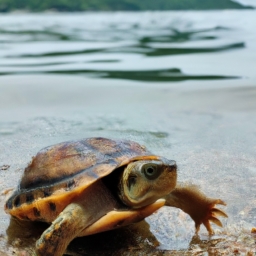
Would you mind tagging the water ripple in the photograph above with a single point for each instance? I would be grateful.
(141, 47)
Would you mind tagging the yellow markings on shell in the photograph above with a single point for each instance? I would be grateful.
(60, 198)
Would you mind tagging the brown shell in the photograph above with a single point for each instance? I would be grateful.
(59, 173)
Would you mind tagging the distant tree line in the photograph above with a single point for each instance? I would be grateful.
(114, 5)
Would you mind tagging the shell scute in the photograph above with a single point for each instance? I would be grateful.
(91, 156)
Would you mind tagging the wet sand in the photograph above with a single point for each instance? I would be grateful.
(210, 132)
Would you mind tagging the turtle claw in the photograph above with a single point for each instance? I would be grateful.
(217, 212)
(211, 216)
(219, 201)
(216, 221)
(194, 202)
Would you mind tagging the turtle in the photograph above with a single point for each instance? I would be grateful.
(92, 185)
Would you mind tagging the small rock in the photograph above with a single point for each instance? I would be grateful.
(4, 167)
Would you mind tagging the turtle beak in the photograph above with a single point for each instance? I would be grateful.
(173, 165)
(170, 163)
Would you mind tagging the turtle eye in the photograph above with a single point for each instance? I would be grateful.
(151, 171)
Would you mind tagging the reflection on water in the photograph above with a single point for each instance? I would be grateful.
(156, 46)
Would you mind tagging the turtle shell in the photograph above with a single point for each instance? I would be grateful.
(59, 173)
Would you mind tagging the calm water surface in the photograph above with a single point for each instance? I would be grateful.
(146, 46)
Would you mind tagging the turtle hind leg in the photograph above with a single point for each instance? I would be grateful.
(55, 239)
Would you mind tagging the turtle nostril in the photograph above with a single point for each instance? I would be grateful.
(173, 166)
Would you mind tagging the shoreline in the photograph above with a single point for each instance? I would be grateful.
(52, 11)
(31, 93)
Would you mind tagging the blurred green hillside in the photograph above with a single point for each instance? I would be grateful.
(113, 5)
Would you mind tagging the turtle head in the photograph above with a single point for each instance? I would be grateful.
(145, 181)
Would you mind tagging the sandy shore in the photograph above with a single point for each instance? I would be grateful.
(210, 132)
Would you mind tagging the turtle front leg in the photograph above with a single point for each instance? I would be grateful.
(55, 239)
(200, 207)
(91, 205)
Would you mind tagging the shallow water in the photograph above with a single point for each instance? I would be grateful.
(147, 46)
(148, 77)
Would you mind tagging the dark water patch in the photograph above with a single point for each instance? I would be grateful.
(175, 35)
(103, 61)
(6, 73)
(151, 51)
(159, 134)
(176, 50)
(37, 35)
(36, 64)
(175, 39)
(162, 75)
(137, 49)
(55, 54)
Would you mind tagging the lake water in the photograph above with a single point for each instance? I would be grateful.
(181, 83)
(147, 46)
